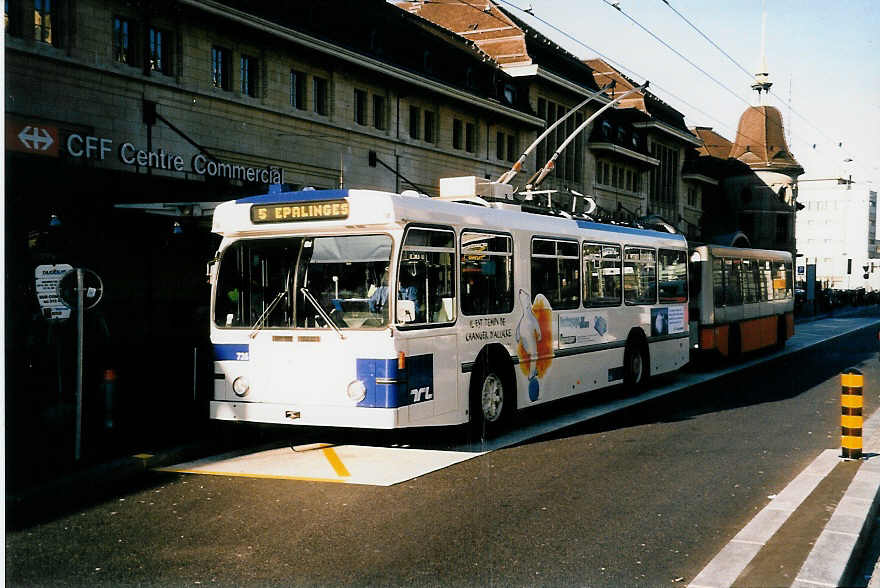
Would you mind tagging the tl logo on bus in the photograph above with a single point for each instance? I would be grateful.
(420, 394)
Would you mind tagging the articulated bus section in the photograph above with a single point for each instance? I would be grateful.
(742, 300)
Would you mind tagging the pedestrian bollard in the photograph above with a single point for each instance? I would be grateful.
(851, 402)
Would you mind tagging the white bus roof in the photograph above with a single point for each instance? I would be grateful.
(313, 211)
(725, 251)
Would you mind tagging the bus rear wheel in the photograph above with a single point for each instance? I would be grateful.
(490, 402)
(635, 365)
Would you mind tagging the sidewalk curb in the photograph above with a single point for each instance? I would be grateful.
(836, 552)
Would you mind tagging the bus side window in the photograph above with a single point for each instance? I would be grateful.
(719, 285)
(639, 275)
(733, 282)
(602, 275)
(425, 277)
(486, 267)
(673, 276)
(556, 272)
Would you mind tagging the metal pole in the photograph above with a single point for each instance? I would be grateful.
(196, 372)
(80, 332)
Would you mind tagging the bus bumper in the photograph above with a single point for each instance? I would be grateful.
(319, 416)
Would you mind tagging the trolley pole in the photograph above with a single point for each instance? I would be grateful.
(851, 403)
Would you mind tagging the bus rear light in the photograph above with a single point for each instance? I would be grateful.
(401, 360)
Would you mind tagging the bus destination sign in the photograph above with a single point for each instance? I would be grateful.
(287, 212)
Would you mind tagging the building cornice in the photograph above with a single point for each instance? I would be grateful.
(358, 59)
(700, 178)
(533, 69)
(670, 130)
(624, 152)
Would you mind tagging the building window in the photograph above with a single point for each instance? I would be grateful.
(429, 126)
(298, 89)
(379, 115)
(664, 180)
(499, 146)
(470, 138)
(44, 21)
(250, 71)
(220, 68)
(321, 95)
(415, 122)
(692, 197)
(360, 107)
(160, 60)
(457, 133)
(512, 151)
(122, 41)
(569, 166)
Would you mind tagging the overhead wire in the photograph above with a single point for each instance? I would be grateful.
(625, 69)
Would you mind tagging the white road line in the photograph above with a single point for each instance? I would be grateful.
(730, 562)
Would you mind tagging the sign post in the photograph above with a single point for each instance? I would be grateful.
(74, 288)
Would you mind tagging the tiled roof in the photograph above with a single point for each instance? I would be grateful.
(714, 145)
(760, 141)
(643, 100)
(479, 21)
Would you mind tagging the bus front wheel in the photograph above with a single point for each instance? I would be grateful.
(490, 402)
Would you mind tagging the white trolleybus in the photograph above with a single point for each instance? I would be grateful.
(360, 308)
(741, 299)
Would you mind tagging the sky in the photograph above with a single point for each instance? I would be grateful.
(823, 58)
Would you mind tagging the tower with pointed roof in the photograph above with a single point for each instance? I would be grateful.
(767, 196)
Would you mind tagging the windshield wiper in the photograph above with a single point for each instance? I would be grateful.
(262, 320)
(308, 296)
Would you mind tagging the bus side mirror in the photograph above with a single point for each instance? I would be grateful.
(406, 311)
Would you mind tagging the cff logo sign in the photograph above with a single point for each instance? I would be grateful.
(31, 138)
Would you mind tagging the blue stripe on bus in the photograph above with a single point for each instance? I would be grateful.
(235, 351)
(388, 387)
(625, 230)
(302, 196)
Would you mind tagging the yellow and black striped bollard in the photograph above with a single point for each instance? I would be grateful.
(851, 403)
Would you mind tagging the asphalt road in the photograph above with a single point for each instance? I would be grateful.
(643, 497)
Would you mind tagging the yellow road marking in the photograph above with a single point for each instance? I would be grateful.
(337, 464)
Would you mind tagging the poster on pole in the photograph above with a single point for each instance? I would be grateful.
(47, 277)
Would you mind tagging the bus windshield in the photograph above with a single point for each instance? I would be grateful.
(307, 282)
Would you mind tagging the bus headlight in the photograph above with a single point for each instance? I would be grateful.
(356, 391)
(241, 386)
